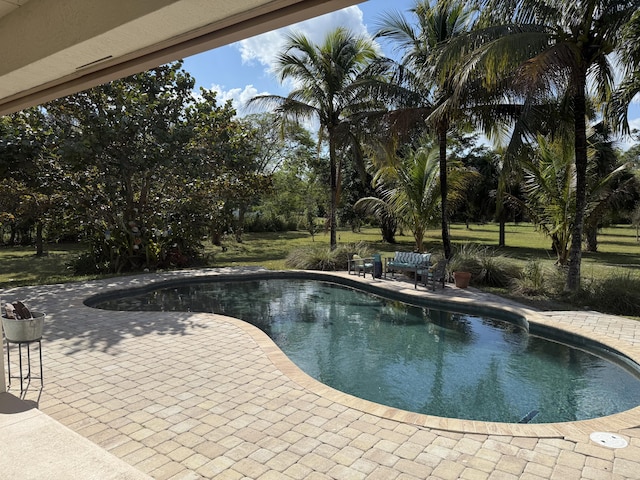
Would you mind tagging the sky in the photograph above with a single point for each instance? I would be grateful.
(244, 69)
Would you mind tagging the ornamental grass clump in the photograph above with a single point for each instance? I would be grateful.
(537, 279)
(618, 294)
(325, 259)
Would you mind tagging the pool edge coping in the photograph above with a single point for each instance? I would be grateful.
(577, 431)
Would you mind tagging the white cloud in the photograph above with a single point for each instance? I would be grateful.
(239, 96)
(627, 142)
(264, 48)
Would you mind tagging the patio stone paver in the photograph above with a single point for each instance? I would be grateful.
(184, 395)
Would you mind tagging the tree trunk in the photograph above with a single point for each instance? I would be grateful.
(575, 254)
(39, 242)
(419, 238)
(388, 228)
(239, 228)
(334, 191)
(591, 238)
(446, 241)
(502, 241)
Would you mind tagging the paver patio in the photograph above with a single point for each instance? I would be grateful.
(191, 395)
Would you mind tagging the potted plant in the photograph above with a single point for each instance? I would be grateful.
(20, 324)
(464, 264)
(461, 279)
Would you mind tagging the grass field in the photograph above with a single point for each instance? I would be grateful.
(618, 250)
(618, 247)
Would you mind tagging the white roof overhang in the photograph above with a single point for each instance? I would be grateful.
(53, 48)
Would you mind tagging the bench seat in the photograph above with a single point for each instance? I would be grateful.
(407, 262)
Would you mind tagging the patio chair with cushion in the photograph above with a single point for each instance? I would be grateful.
(358, 264)
(435, 275)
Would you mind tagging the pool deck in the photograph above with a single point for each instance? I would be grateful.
(192, 395)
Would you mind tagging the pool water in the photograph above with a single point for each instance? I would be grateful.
(412, 357)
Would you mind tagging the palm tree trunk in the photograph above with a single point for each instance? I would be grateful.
(591, 237)
(446, 241)
(333, 176)
(388, 226)
(575, 254)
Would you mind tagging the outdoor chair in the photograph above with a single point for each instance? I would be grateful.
(435, 275)
(358, 264)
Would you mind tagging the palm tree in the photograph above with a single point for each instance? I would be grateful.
(556, 47)
(408, 188)
(328, 79)
(429, 83)
(630, 85)
(603, 158)
(550, 187)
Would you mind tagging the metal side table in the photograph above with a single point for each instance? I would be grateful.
(29, 374)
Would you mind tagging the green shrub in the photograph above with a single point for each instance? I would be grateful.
(86, 264)
(618, 294)
(536, 279)
(531, 281)
(323, 258)
(270, 223)
(497, 270)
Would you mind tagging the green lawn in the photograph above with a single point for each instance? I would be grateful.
(618, 247)
(20, 266)
(618, 250)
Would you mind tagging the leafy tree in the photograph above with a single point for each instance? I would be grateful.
(355, 185)
(287, 152)
(280, 145)
(126, 145)
(228, 163)
(328, 78)
(32, 175)
(478, 203)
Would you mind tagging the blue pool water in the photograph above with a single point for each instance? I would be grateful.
(415, 358)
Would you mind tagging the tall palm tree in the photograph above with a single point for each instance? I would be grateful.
(556, 47)
(429, 83)
(328, 79)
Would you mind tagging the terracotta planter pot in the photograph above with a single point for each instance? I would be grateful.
(24, 330)
(461, 279)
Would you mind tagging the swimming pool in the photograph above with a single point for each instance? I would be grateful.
(412, 357)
